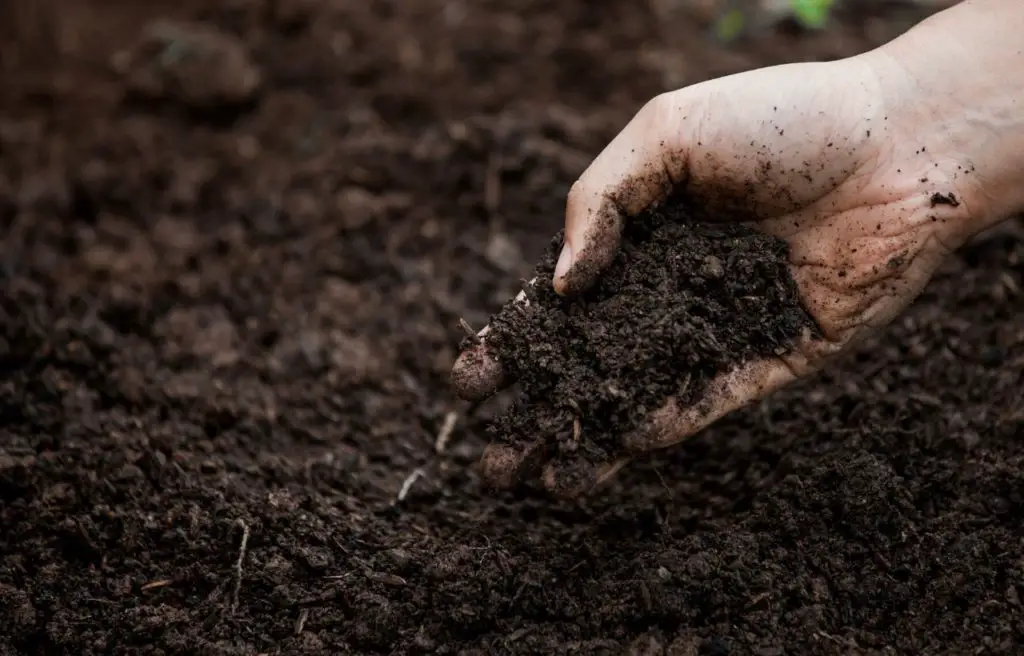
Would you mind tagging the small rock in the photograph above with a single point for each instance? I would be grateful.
(712, 268)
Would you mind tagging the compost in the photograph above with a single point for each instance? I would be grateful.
(237, 242)
(682, 303)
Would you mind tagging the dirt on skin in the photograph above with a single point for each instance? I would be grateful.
(681, 303)
(226, 338)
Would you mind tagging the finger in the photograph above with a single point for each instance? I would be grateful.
(673, 423)
(477, 374)
(639, 167)
(571, 481)
(504, 466)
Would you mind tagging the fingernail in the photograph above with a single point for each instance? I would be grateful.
(564, 261)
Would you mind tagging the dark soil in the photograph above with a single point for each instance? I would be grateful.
(681, 303)
(226, 339)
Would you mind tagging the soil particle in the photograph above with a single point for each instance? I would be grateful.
(681, 303)
(944, 199)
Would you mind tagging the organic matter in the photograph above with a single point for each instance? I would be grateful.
(682, 303)
(226, 425)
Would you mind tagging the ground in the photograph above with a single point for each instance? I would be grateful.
(234, 258)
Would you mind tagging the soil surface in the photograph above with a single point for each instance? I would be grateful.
(681, 303)
(228, 316)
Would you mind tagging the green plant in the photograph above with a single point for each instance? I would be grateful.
(811, 13)
(734, 20)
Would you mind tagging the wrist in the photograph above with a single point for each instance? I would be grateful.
(954, 90)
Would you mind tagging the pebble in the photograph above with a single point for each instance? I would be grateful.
(712, 268)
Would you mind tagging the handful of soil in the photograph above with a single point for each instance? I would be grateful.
(682, 302)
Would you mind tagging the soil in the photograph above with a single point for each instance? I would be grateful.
(226, 337)
(682, 302)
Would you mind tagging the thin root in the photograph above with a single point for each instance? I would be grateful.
(300, 621)
(445, 434)
(468, 329)
(242, 549)
(407, 484)
(156, 584)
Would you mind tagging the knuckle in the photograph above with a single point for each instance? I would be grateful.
(659, 112)
(575, 200)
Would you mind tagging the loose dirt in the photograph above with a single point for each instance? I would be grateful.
(681, 303)
(226, 338)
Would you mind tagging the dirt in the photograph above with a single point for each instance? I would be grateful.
(682, 303)
(226, 337)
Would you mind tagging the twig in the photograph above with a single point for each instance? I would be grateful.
(445, 433)
(243, 547)
(300, 622)
(156, 584)
(468, 329)
(407, 484)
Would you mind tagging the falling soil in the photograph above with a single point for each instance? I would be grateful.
(226, 338)
(681, 303)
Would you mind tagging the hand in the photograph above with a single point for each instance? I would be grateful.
(870, 187)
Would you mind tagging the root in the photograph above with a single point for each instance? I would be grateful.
(242, 549)
(300, 621)
(408, 483)
(468, 329)
(445, 433)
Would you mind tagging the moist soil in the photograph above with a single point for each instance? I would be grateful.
(228, 320)
(681, 303)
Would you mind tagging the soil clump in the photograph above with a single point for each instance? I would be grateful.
(681, 303)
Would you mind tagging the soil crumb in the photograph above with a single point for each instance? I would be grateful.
(683, 302)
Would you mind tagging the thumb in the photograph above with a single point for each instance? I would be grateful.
(639, 167)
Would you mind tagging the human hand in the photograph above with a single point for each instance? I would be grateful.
(870, 189)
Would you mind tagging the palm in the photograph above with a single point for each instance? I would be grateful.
(816, 160)
(808, 155)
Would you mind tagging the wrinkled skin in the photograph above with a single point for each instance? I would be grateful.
(866, 166)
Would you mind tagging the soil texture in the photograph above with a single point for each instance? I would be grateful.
(228, 318)
(682, 303)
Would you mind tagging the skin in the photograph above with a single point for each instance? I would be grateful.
(873, 168)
